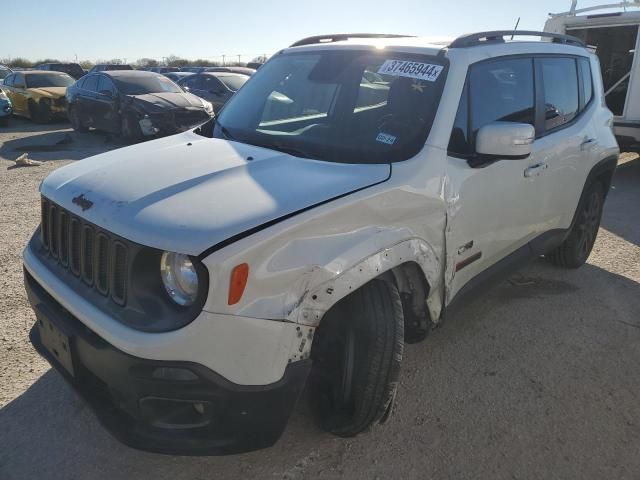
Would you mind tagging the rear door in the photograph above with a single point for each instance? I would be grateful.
(568, 137)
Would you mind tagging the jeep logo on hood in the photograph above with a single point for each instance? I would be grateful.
(82, 202)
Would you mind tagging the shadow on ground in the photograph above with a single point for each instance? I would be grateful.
(525, 382)
(55, 141)
(622, 209)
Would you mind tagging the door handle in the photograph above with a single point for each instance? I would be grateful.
(588, 143)
(535, 170)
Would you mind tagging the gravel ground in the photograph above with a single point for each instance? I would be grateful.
(538, 379)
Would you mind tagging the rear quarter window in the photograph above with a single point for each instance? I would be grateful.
(586, 80)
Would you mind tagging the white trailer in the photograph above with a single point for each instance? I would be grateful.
(612, 30)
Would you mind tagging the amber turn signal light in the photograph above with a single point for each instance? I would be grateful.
(239, 276)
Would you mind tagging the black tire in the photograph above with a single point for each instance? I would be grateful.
(40, 112)
(76, 121)
(357, 353)
(130, 129)
(575, 250)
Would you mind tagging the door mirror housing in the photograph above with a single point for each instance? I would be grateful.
(505, 140)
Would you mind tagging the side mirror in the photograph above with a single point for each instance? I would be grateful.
(185, 88)
(505, 140)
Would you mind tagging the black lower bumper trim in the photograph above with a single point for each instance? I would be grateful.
(124, 394)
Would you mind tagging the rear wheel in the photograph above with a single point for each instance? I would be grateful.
(357, 354)
(76, 121)
(575, 250)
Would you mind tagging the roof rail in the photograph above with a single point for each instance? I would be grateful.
(338, 37)
(482, 38)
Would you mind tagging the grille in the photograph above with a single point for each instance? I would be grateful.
(189, 117)
(89, 253)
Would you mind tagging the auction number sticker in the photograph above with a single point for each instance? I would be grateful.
(407, 68)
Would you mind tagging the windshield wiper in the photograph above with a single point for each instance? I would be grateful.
(225, 131)
(296, 152)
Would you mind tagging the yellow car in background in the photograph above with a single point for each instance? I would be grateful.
(38, 95)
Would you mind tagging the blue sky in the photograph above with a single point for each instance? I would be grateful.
(192, 29)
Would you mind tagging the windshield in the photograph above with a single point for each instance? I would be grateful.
(352, 107)
(233, 82)
(4, 73)
(140, 85)
(44, 80)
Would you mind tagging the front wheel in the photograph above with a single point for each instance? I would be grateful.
(130, 129)
(575, 250)
(357, 354)
(40, 112)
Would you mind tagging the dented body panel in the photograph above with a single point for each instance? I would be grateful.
(312, 231)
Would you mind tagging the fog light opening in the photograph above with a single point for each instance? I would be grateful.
(174, 374)
(176, 413)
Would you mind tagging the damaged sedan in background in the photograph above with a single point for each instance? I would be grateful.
(134, 104)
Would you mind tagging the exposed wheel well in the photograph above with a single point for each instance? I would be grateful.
(414, 289)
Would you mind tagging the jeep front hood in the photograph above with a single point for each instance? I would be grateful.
(187, 193)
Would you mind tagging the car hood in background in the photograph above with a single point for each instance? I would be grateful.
(163, 101)
(186, 193)
(49, 91)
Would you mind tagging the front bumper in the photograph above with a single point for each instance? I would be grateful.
(172, 121)
(202, 415)
(6, 109)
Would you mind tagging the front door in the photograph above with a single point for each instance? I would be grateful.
(495, 205)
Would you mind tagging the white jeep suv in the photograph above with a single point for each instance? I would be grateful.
(356, 189)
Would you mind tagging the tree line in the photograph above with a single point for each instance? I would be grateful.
(170, 61)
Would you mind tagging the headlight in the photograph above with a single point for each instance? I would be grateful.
(179, 277)
(207, 107)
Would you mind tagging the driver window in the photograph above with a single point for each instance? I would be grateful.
(91, 83)
(496, 90)
(105, 84)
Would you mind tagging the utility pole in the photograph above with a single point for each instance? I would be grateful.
(223, 57)
(239, 61)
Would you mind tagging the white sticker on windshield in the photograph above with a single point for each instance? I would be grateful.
(386, 138)
(406, 68)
